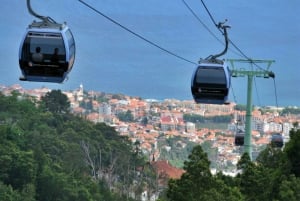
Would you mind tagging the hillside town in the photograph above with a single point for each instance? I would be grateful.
(153, 120)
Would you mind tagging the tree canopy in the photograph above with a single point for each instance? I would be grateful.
(197, 183)
(48, 154)
(195, 118)
(56, 102)
(273, 176)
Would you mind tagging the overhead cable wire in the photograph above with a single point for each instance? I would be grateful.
(206, 27)
(246, 57)
(257, 94)
(239, 50)
(134, 33)
(233, 94)
(214, 22)
(276, 97)
(203, 24)
(235, 46)
(210, 15)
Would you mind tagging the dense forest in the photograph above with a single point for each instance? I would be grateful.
(201, 119)
(275, 175)
(48, 154)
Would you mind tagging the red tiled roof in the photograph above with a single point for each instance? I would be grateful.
(163, 167)
(166, 119)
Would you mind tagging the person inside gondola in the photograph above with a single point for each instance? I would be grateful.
(55, 56)
(37, 56)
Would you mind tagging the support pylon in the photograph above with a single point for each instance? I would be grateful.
(250, 74)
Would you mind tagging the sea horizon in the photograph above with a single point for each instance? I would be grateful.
(110, 59)
(145, 98)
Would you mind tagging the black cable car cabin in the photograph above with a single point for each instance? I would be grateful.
(277, 140)
(211, 82)
(239, 138)
(47, 52)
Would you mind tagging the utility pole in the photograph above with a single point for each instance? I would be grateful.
(258, 72)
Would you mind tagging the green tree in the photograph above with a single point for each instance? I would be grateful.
(195, 118)
(256, 183)
(28, 193)
(290, 110)
(198, 184)
(290, 189)
(272, 157)
(126, 116)
(8, 194)
(56, 102)
(41, 157)
(23, 169)
(244, 162)
(292, 151)
(144, 121)
(240, 107)
(118, 96)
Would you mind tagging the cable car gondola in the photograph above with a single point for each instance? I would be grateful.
(47, 51)
(210, 82)
(239, 138)
(239, 133)
(277, 140)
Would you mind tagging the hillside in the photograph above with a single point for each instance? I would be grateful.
(48, 154)
(273, 176)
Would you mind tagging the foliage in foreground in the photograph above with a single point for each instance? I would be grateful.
(274, 176)
(48, 154)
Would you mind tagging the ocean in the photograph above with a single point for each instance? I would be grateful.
(114, 60)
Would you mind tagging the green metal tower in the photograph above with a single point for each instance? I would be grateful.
(258, 72)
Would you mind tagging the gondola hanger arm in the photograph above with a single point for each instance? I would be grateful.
(45, 19)
(221, 25)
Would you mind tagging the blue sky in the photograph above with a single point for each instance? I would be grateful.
(111, 59)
